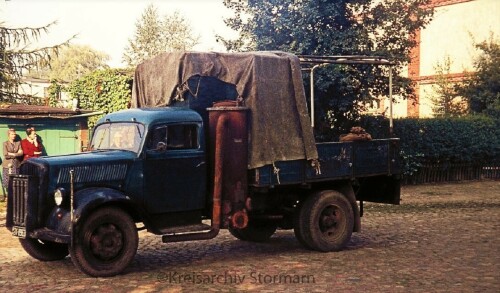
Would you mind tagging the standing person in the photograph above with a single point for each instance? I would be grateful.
(32, 148)
(13, 154)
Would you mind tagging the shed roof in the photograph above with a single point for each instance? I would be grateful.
(20, 111)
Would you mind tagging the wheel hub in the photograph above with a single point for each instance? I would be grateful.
(329, 220)
(106, 242)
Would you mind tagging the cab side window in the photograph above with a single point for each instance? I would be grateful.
(174, 137)
(158, 138)
(182, 137)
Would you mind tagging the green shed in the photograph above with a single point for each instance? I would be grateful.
(62, 131)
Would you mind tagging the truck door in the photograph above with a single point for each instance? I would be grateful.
(174, 169)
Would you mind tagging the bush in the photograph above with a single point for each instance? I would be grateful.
(107, 90)
(471, 139)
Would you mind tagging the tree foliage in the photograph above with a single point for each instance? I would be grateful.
(107, 90)
(72, 63)
(482, 88)
(55, 89)
(19, 55)
(156, 34)
(446, 101)
(341, 27)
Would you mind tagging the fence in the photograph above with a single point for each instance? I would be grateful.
(452, 172)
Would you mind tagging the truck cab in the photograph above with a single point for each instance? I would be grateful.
(169, 145)
(139, 161)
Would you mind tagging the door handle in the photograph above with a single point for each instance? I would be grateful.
(200, 164)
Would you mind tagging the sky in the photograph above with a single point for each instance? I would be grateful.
(107, 25)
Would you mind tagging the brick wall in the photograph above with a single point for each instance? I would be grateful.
(413, 107)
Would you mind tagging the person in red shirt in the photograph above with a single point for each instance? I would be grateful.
(32, 147)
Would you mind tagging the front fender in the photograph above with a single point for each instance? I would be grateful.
(85, 201)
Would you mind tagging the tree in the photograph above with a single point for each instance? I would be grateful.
(72, 63)
(341, 27)
(446, 101)
(482, 88)
(155, 35)
(19, 55)
(178, 34)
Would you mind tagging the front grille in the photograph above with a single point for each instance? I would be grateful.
(19, 200)
(22, 206)
(93, 173)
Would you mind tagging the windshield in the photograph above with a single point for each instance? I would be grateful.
(118, 136)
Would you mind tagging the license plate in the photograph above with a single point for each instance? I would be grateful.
(19, 232)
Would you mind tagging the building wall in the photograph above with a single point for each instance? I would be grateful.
(456, 26)
(40, 88)
(34, 87)
(59, 136)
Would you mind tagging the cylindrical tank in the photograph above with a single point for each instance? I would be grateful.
(235, 160)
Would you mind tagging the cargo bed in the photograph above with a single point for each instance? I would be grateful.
(338, 160)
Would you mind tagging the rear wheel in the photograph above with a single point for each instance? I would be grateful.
(255, 231)
(105, 244)
(325, 221)
(44, 250)
(297, 227)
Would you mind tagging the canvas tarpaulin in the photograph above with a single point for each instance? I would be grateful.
(270, 84)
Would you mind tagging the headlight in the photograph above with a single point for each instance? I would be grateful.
(59, 196)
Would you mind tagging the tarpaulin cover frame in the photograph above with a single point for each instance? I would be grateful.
(270, 84)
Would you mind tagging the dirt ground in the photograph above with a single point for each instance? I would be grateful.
(442, 238)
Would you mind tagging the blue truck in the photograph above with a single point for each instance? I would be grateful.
(184, 172)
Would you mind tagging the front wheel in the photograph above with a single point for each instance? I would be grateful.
(325, 221)
(105, 243)
(44, 250)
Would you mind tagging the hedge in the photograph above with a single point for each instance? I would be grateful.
(444, 141)
(107, 90)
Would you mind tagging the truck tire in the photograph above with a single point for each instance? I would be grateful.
(325, 221)
(44, 250)
(255, 231)
(296, 226)
(105, 243)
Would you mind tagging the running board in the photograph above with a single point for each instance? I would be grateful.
(186, 229)
(189, 233)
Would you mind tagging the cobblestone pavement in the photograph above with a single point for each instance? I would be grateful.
(442, 238)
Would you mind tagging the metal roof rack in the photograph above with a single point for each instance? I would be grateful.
(349, 59)
(310, 63)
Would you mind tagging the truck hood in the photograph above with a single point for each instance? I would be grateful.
(88, 158)
(97, 167)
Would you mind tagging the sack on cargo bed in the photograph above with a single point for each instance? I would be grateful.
(357, 133)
